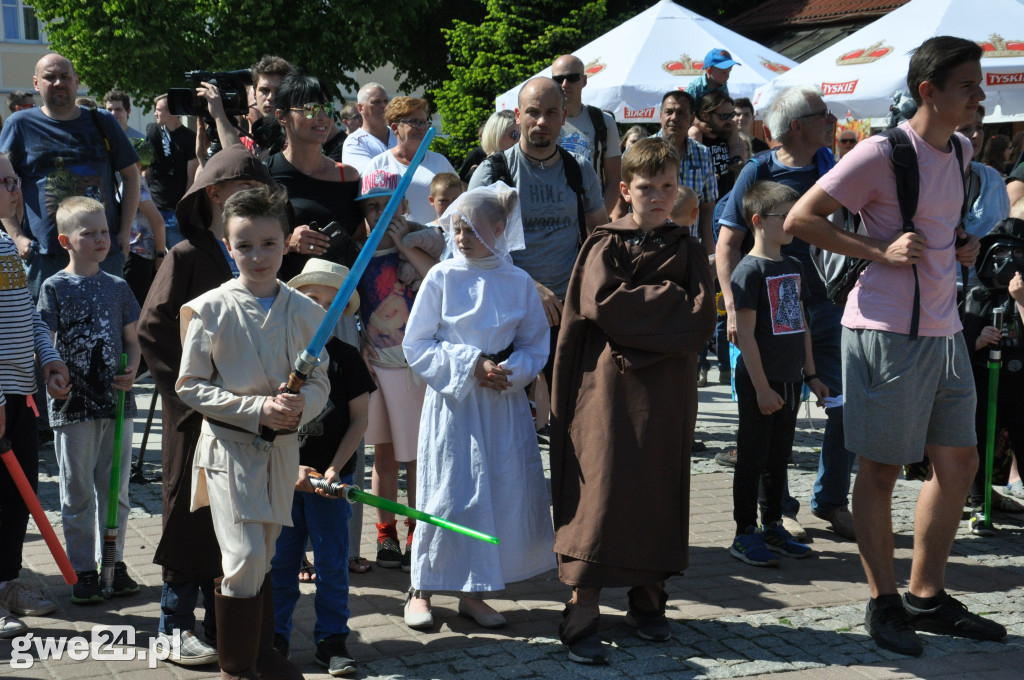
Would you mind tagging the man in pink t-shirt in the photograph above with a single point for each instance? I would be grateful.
(906, 394)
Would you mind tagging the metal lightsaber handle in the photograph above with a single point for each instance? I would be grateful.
(354, 494)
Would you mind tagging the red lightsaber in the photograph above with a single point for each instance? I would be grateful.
(29, 496)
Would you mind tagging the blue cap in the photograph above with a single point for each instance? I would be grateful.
(719, 58)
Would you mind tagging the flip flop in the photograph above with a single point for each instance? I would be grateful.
(358, 565)
(307, 572)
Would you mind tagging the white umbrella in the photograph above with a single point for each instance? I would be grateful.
(859, 74)
(661, 49)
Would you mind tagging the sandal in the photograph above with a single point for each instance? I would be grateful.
(307, 572)
(358, 565)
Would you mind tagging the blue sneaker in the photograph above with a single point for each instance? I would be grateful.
(782, 542)
(750, 547)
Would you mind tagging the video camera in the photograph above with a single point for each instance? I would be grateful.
(183, 101)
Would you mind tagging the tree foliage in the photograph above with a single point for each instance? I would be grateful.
(144, 47)
(516, 39)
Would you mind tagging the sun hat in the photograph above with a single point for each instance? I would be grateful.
(318, 272)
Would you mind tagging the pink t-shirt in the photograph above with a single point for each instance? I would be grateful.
(864, 182)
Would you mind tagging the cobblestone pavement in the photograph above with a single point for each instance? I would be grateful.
(729, 620)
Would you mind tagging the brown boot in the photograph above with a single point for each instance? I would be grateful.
(271, 664)
(238, 635)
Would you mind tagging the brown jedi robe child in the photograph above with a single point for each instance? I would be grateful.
(624, 403)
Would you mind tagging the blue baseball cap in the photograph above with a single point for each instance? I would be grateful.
(719, 58)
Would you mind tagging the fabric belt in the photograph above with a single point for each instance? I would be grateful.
(229, 426)
(503, 355)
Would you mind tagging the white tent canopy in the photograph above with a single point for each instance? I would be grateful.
(858, 75)
(661, 49)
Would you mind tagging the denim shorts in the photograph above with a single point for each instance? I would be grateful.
(902, 394)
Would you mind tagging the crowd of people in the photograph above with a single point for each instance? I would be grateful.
(560, 265)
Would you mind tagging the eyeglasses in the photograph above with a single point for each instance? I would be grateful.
(416, 123)
(782, 215)
(571, 77)
(352, 118)
(313, 109)
(378, 102)
(846, 140)
(11, 183)
(725, 116)
(824, 114)
(514, 134)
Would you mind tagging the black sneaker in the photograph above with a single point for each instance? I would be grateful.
(87, 590)
(588, 649)
(389, 553)
(952, 618)
(978, 525)
(281, 645)
(887, 625)
(332, 654)
(653, 627)
(123, 583)
(407, 559)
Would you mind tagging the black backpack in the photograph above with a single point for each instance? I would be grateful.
(839, 272)
(573, 176)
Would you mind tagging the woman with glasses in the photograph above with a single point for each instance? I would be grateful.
(408, 119)
(320, 190)
(498, 133)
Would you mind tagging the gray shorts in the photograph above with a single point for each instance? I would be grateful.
(901, 394)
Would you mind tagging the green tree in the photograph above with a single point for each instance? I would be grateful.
(144, 47)
(516, 39)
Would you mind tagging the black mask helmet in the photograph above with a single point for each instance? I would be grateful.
(1002, 253)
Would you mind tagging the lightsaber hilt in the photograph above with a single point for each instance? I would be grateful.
(109, 554)
(995, 352)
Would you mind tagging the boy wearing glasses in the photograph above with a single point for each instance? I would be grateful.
(772, 335)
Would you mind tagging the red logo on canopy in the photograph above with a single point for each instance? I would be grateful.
(996, 46)
(594, 67)
(1004, 78)
(773, 66)
(867, 55)
(684, 67)
(839, 88)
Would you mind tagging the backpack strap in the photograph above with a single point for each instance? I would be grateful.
(95, 117)
(600, 136)
(574, 178)
(499, 169)
(908, 189)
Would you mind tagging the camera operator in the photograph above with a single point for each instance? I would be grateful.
(174, 164)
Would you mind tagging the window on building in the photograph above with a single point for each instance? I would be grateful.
(19, 21)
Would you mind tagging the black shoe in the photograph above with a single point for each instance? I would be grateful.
(887, 625)
(389, 554)
(588, 649)
(87, 590)
(978, 525)
(281, 645)
(407, 558)
(123, 583)
(332, 654)
(952, 618)
(653, 627)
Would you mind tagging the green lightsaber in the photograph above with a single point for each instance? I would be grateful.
(354, 494)
(110, 535)
(995, 360)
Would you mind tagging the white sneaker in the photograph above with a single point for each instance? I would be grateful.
(795, 529)
(10, 625)
(1016, 489)
(25, 600)
(191, 651)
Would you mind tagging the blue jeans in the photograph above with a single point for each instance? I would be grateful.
(178, 605)
(832, 486)
(172, 233)
(325, 522)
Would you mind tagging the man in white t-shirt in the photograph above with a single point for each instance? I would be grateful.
(407, 121)
(579, 135)
(375, 136)
(905, 395)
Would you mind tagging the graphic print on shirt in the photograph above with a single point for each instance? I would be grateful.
(784, 300)
(386, 301)
(576, 142)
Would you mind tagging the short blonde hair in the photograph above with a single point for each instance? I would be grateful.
(400, 107)
(73, 209)
(685, 193)
(443, 181)
(494, 129)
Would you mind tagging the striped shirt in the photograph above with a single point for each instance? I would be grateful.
(22, 332)
(697, 171)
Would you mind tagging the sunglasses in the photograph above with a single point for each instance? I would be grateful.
(11, 183)
(725, 116)
(514, 134)
(824, 114)
(571, 77)
(416, 123)
(782, 215)
(313, 109)
(847, 141)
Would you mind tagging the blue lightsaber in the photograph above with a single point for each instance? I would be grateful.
(308, 358)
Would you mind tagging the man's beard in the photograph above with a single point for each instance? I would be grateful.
(540, 144)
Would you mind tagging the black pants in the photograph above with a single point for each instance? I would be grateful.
(24, 438)
(763, 446)
(138, 272)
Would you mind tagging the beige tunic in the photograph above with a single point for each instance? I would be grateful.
(235, 355)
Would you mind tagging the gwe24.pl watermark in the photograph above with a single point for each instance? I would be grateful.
(104, 643)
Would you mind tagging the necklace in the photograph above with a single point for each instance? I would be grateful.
(539, 162)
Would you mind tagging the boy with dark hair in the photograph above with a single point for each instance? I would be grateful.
(93, 317)
(904, 394)
(238, 343)
(772, 336)
(639, 307)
